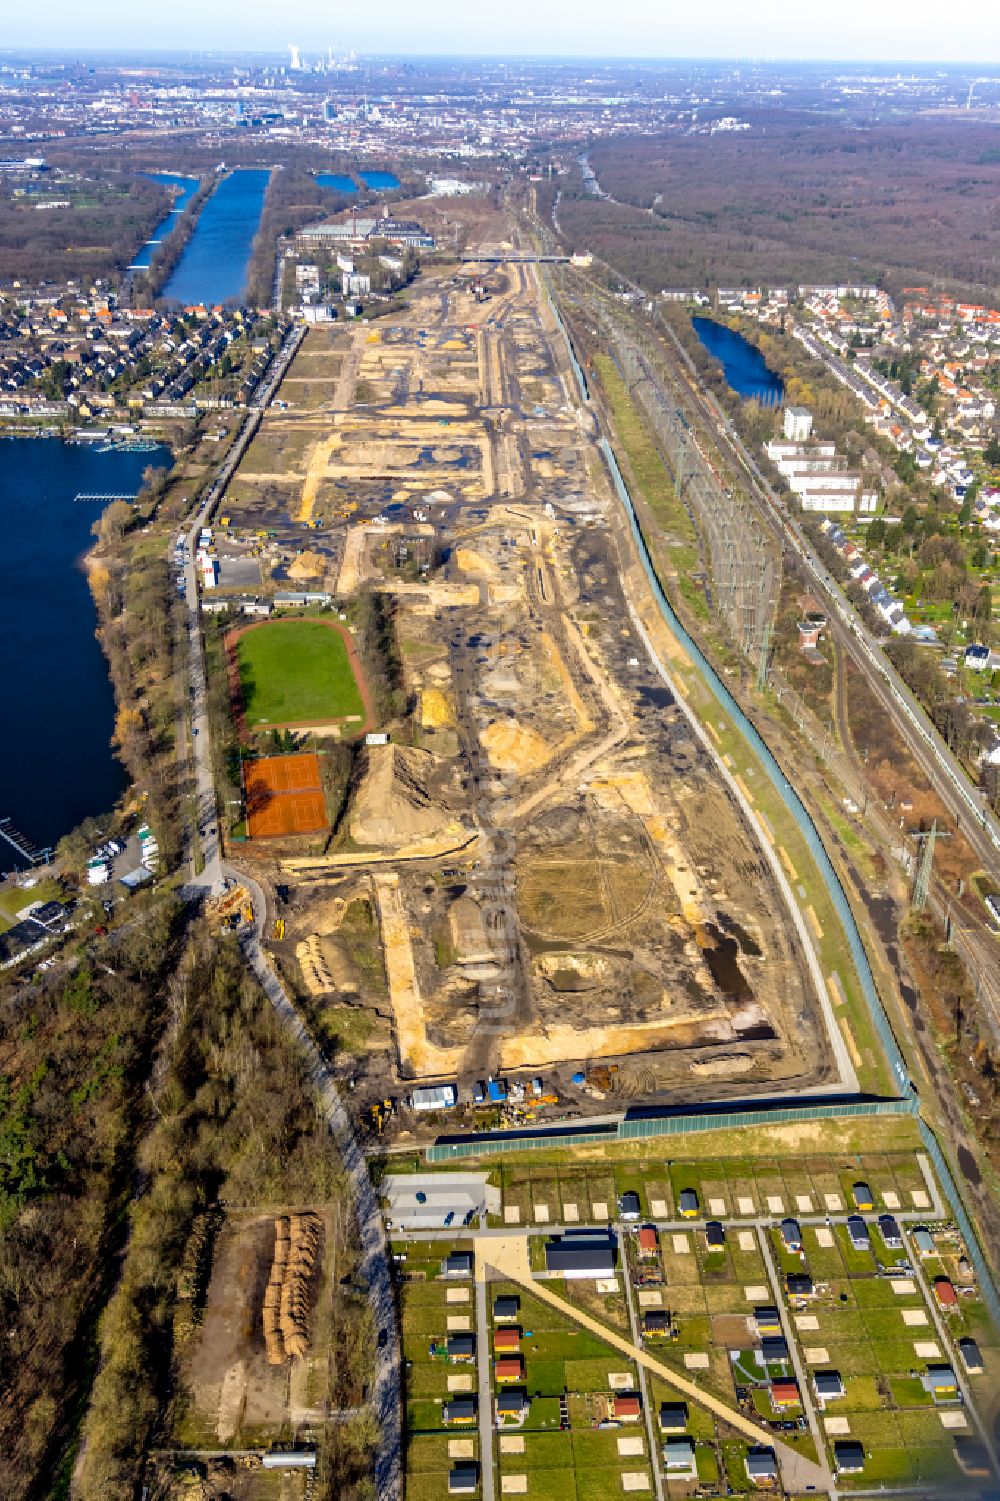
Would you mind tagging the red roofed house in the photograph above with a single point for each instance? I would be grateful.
(648, 1241)
(506, 1339)
(509, 1369)
(626, 1407)
(945, 1292)
(784, 1393)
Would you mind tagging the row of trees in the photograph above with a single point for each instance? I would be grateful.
(135, 604)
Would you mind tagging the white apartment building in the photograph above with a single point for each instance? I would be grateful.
(798, 424)
(816, 473)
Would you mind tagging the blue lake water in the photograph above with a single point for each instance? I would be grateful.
(380, 181)
(56, 764)
(338, 182)
(213, 268)
(746, 371)
(188, 187)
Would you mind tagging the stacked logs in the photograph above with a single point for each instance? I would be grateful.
(287, 1297)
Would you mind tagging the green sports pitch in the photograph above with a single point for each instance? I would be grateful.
(296, 672)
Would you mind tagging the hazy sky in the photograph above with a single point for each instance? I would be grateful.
(924, 30)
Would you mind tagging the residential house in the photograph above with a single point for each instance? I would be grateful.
(673, 1417)
(463, 1479)
(762, 1466)
(767, 1319)
(791, 1235)
(784, 1394)
(459, 1412)
(715, 1235)
(625, 1407)
(829, 1385)
(971, 1356)
(942, 1383)
(679, 1457)
(848, 1456)
(512, 1407)
(890, 1232)
(773, 1348)
(799, 1285)
(944, 1291)
(655, 1324)
(862, 1196)
(858, 1232)
(649, 1243)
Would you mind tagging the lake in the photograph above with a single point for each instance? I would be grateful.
(188, 187)
(213, 267)
(743, 365)
(56, 764)
(337, 182)
(380, 181)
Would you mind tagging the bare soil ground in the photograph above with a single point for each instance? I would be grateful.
(236, 1398)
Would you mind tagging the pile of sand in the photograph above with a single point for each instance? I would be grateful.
(393, 804)
(473, 562)
(435, 709)
(514, 747)
(308, 565)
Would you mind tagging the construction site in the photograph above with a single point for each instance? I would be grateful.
(556, 868)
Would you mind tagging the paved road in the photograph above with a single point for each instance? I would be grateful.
(953, 1357)
(485, 1397)
(375, 1265)
(805, 1394)
(650, 1418)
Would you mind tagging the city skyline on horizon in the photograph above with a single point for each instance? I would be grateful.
(777, 32)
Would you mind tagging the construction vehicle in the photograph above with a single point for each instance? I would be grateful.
(380, 1113)
(279, 927)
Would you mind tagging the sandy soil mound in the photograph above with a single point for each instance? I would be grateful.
(308, 565)
(435, 709)
(514, 747)
(394, 803)
(473, 562)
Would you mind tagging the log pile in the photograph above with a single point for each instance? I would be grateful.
(288, 1295)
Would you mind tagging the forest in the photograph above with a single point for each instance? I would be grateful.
(796, 199)
(109, 217)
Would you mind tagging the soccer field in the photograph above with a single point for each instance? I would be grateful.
(296, 672)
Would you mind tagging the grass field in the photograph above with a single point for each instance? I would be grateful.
(296, 672)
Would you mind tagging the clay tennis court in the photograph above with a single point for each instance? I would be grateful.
(284, 795)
